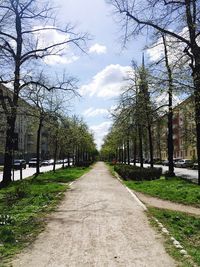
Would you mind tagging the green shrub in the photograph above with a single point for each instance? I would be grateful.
(7, 235)
(20, 191)
(135, 173)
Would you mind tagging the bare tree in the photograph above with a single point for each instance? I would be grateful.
(48, 100)
(170, 142)
(23, 23)
(162, 16)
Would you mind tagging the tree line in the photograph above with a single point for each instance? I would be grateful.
(23, 55)
(176, 25)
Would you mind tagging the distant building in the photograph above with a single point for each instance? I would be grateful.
(25, 129)
(184, 132)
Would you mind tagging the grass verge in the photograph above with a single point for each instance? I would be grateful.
(1, 168)
(174, 189)
(24, 204)
(111, 168)
(184, 228)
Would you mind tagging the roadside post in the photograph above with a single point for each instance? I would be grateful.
(20, 170)
(13, 170)
(15, 148)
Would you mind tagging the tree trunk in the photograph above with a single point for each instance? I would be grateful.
(124, 152)
(68, 160)
(55, 155)
(128, 152)
(119, 155)
(74, 157)
(150, 145)
(170, 143)
(122, 155)
(8, 151)
(77, 156)
(159, 140)
(135, 150)
(63, 163)
(38, 146)
(12, 118)
(196, 77)
(140, 146)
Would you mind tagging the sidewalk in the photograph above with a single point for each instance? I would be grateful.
(98, 224)
(165, 204)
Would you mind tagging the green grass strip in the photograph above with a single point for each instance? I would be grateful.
(184, 228)
(24, 204)
(173, 189)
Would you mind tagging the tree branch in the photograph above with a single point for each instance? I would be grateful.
(155, 26)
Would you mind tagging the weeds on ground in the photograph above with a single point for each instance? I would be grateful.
(184, 228)
(111, 168)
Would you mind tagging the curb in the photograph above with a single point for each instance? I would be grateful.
(131, 192)
(164, 231)
(70, 184)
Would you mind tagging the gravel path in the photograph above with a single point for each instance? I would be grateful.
(165, 204)
(98, 224)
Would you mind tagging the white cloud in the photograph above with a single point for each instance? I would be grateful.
(175, 48)
(61, 54)
(91, 112)
(100, 131)
(56, 59)
(107, 83)
(162, 99)
(98, 49)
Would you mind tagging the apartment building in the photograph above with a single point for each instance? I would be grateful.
(25, 129)
(184, 132)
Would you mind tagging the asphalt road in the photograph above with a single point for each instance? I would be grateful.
(183, 172)
(30, 171)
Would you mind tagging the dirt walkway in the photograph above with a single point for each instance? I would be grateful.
(164, 204)
(98, 224)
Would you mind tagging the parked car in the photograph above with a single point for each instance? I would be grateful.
(195, 166)
(51, 161)
(19, 163)
(165, 163)
(33, 162)
(184, 163)
(176, 160)
(45, 162)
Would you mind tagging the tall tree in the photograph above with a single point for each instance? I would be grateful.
(145, 107)
(178, 19)
(22, 25)
(170, 142)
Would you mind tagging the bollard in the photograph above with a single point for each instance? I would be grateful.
(13, 173)
(20, 170)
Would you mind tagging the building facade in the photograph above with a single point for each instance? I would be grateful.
(25, 129)
(184, 132)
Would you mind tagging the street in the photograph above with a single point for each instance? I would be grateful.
(183, 172)
(30, 171)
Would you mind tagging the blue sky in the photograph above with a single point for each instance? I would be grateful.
(102, 70)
